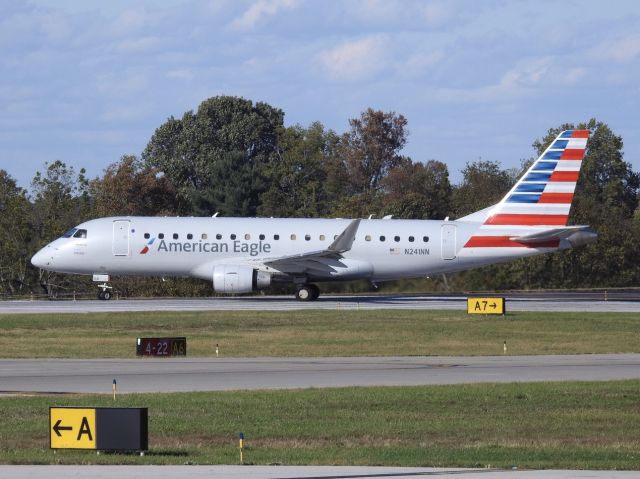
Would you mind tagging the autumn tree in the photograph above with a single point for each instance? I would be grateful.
(129, 187)
(366, 154)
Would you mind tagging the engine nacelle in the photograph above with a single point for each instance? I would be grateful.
(232, 278)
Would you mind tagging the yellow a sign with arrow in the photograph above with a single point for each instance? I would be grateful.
(491, 305)
(72, 428)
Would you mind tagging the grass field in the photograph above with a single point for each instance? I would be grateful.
(544, 425)
(320, 333)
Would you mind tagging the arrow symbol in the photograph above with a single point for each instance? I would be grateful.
(57, 428)
(493, 305)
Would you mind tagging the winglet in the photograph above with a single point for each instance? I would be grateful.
(344, 242)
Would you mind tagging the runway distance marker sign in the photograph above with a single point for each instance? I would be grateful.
(487, 305)
(161, 347)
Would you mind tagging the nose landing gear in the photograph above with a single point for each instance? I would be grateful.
(104, 292)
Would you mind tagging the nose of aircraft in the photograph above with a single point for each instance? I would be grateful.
(42, 258)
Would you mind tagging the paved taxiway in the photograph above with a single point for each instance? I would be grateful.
(206, 374)
(621, 302)
(291, 472)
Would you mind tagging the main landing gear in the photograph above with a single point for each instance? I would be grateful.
(307, 292)
(104, 292)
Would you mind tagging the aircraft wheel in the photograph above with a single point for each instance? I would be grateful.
(305, 293)
(315, 291)
(106, 295)
(100, 294)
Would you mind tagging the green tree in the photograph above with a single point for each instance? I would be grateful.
(484, 183)
(296, 177)
(60, 201)
(15, 236)
(418, 190)
(216, 157)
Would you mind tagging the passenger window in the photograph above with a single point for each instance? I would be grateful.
(425, 239)
(233, 236)
(189, 236)
(204, 236)
(147, 236)
(69, 233)
(293, 237)
(411, 238)
(382, 238)
(276, 237)
(367, 238)
(307, 237)
(161, 235)
(80, 234)
(175, 236)
(261, 237)
(247, 236)
(219, 236)
(396, 238)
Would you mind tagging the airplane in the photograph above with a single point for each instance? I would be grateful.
(242, 255)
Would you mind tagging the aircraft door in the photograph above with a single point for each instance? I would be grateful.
(121, 238)
(448, 242)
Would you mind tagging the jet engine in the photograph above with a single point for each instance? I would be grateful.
(232, 278)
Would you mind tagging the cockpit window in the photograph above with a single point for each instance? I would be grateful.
(70, 233)
(80, 234)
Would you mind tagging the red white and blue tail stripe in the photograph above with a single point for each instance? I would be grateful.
(539, 201)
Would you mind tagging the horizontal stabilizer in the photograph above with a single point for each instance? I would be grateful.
(556, 234)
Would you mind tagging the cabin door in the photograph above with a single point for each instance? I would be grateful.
(448, 242)
(121, 238)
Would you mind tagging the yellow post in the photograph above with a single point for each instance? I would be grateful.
(113, 387)
(241, 447)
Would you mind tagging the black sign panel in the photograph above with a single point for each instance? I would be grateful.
(161, 347)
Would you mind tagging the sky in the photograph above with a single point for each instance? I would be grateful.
(86, 82)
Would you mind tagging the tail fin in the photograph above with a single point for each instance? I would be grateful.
(541, 199)
(543, 196)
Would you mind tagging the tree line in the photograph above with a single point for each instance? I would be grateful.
(236, 158)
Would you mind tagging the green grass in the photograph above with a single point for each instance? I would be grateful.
(541, 425)
(320, 333)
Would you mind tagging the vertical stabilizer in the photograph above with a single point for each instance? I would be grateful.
(541, 199)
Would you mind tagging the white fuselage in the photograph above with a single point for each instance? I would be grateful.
(192, 247)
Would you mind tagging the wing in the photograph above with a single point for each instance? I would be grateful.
(321, 261)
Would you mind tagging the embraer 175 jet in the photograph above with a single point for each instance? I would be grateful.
(240, 255)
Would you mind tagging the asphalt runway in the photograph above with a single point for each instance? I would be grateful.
(291, 472)
(171, 375)
(552, 301)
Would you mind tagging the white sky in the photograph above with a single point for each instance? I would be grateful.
(87, 82)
